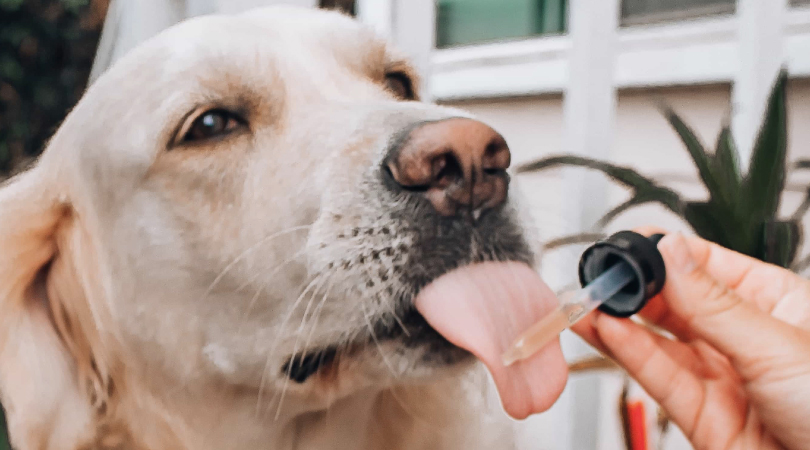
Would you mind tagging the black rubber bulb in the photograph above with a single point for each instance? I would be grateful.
(638, 251)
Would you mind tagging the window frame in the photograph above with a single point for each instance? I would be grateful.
(706, 11)
(563, 17)
(691, 52)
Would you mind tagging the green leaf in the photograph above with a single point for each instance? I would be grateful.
(801, 164)
(696, 150)
(642, 186)
(4, 441)
(709, 223)
(75, 5)
(780, 241)
(725, 166)
(637, 200)
(10, 69)
(11, 5)
(763, 186)
(582, 238)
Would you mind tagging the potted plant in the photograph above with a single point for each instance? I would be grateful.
(741, 212)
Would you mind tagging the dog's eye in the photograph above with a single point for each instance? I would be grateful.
(400, 84)
(212, 123)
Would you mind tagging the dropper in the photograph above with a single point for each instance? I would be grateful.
(618, 275)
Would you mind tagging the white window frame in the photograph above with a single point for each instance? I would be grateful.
(702, 51)
(673, 16)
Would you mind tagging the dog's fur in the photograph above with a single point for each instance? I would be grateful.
(249, 291)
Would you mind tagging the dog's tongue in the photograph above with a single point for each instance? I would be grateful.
(482, 308)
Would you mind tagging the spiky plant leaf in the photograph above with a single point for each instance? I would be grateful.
(765, 181)
(643, 187)
(637, 200)
(582, 238)
(4, 441)
(780, 242)
(696, 150)
(709, 223)
(801, 164)
(725, 165)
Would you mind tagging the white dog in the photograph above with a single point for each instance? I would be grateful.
(221, 245)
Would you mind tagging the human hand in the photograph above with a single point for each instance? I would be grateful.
(737, 374)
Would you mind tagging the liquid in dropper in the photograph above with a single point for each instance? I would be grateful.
(573, 307)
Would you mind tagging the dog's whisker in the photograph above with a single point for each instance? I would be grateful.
(300, 331)
(321, 279)
(252, 248)
(399, 322)
(377, 342)
(283, 393)
(391, 307)
(249, 308)
(316, 314)
(290, 366)
(271, 354)
(269, 276)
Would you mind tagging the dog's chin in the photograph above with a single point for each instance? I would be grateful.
(427, 353)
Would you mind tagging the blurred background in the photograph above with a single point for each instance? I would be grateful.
(577, 77)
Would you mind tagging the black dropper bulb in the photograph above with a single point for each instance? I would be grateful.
(641, 254)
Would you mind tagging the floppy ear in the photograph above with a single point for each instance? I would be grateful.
(53, 380)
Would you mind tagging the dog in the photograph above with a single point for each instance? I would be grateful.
(221, 245)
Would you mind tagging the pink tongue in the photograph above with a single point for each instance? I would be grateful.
(482, 308)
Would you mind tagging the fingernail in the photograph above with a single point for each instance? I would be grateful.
(677, 254)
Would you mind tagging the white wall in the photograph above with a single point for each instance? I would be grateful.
(130, 22)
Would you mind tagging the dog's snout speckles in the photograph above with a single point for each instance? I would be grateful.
(376, 247)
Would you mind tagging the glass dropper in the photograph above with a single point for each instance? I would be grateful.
(574, 306)
(618, 275)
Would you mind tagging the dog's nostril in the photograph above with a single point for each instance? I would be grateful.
(407, 187)
(455, 163)
(447, 169)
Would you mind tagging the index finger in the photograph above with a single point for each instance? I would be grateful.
(765, 286)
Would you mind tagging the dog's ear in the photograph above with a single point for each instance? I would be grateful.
(54, 379)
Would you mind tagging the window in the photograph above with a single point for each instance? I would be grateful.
(652, 11)
(461, 22)
(346, 5)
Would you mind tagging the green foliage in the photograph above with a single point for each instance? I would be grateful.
(741, 211)
(46, 52)
(4, 442)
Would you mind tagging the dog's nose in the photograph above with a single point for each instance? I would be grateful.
(458, 164)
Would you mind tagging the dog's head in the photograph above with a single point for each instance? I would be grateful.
(251, 202)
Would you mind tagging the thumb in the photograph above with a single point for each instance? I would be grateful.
(737, 328)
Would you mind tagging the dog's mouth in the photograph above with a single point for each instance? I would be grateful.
(440, 247)
(411, 332)
(299, 368)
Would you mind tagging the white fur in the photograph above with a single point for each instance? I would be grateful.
(150, 293)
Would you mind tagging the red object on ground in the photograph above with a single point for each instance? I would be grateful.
(638, 425)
